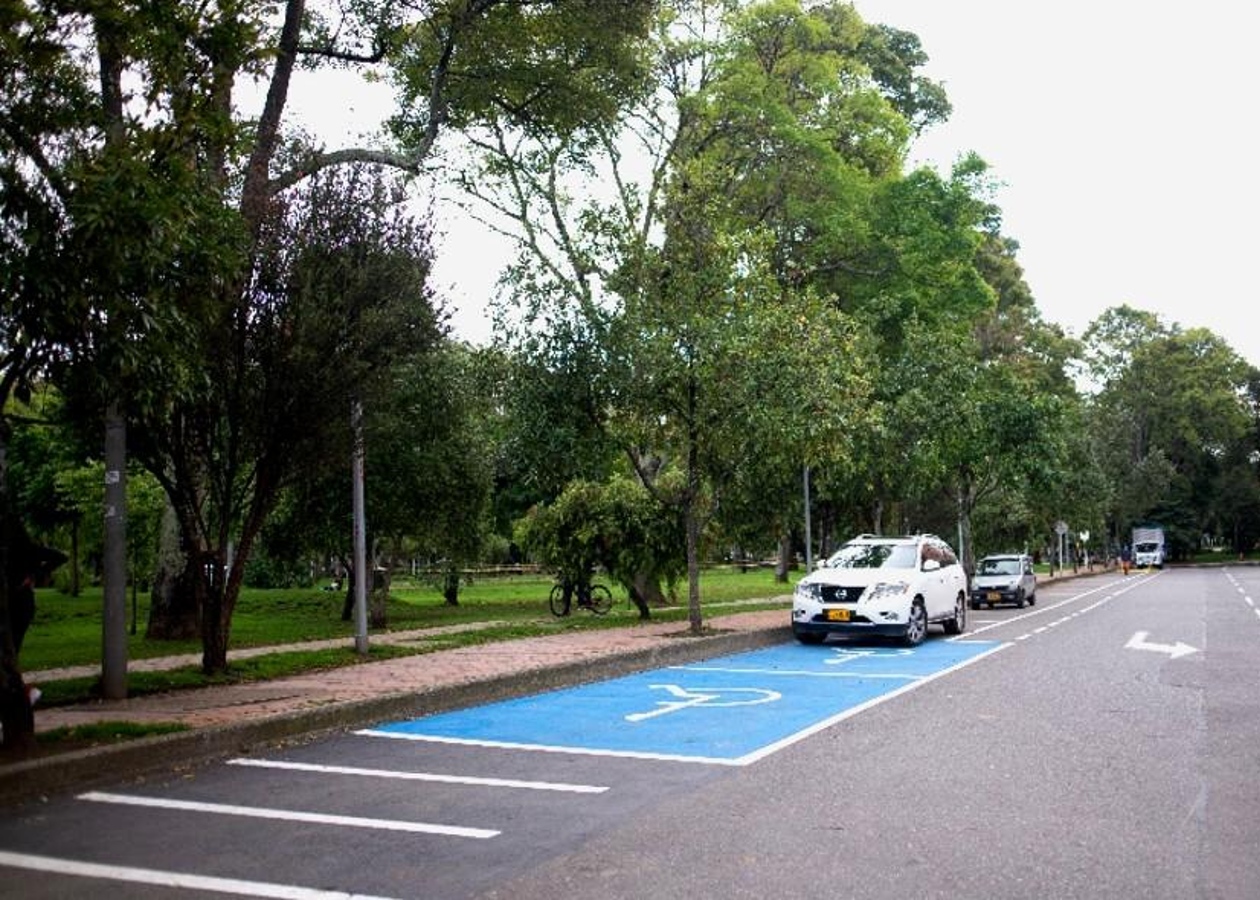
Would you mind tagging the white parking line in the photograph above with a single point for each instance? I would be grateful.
(794, 674)
(544, 748)
(252, 812)
(55, 866)
(420, 776)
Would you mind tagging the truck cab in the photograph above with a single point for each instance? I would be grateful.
(1148, 547)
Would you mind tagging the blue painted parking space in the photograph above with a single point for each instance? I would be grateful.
(732, 710)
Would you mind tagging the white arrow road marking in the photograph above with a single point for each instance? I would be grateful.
(1139, 642)
(708, 698)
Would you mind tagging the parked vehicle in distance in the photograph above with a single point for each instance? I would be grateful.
(889, 586)
(1148, 547)
(1004, 578)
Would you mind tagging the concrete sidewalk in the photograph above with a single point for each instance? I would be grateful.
(229, 719)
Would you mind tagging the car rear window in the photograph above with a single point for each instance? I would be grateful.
(999, 567)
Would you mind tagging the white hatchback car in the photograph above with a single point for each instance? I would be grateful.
(890, 586)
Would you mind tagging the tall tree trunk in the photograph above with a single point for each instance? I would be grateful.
(225, 576)
(450, 586)
(175, 607)
(215, 617)
(76, 585)
(16, 717)
(966, 503)
(691, 519)
(645, 592)
(783, 563)
(378, 597)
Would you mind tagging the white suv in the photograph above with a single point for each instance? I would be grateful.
(892, 586)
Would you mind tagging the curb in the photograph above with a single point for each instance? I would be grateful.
(38, 779)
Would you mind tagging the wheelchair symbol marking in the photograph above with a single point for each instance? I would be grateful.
(712, 698)
(845, 655)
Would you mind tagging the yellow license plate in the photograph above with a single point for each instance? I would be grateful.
(837, 615)
(993, 595)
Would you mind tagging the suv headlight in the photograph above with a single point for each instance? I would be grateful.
(887, 589)
(809, 591)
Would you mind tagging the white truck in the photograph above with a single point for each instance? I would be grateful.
(1148, 547)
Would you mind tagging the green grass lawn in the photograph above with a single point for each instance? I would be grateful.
(67, 630)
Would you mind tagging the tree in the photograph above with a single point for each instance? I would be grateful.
(616, 525)
(338, 299)
(431, 478)
(138, 133)
(771, 135)
(1172, 408)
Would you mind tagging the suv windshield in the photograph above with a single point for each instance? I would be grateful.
(999, 567)
(875, 556)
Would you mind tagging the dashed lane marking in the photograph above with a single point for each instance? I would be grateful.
(1124, 588)
(1243, 591)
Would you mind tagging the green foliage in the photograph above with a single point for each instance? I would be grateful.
(157, 257)
(431, 478)
(617, 526)
(555, 65)
(428, 476)
(893, 56)
(1173, 414)
(265, 571)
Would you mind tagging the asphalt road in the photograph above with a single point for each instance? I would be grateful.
(1104, 743)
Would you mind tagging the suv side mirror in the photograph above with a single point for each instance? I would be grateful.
(931, 565)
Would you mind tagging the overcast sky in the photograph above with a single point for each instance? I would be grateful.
(1124, 136)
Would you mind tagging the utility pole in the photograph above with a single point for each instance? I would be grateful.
(114, 631)
(809, 540)
(360, 532)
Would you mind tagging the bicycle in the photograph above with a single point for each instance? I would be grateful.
(594, 598)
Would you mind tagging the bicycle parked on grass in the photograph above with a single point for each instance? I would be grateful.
(595, 598)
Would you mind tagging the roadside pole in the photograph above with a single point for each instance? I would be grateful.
(809, 538)
(360, 538)
(114, 614)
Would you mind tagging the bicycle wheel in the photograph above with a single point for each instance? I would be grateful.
(601, 599)
(559, 601)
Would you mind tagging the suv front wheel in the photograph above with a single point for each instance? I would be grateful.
(917, 624)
